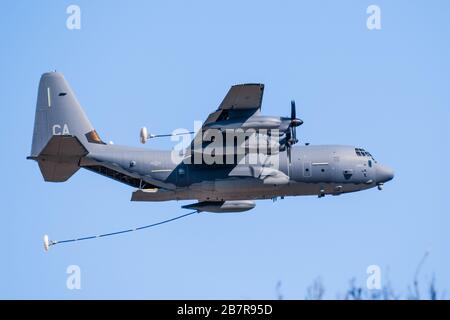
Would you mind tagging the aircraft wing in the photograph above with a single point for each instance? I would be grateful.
(241, 101)
(243, 97)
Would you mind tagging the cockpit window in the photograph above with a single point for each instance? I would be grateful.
(360, 152)
(363, 153)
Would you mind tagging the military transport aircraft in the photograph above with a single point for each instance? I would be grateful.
(64, 141)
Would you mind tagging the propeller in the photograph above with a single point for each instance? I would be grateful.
(291, 133)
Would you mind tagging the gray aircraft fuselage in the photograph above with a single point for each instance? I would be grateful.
(313, 170)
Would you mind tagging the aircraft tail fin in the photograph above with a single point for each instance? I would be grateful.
(62, 132)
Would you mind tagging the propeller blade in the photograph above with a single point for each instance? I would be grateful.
(288, 135)
(289, 153)
(293, 112)
(294, 123)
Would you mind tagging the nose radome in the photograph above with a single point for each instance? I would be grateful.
(384, 174)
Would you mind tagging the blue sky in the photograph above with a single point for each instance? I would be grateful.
(164, 64)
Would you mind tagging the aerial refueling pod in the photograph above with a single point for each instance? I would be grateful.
(143, 135)
(221, 206)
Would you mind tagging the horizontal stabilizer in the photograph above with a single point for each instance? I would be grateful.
(60, 158)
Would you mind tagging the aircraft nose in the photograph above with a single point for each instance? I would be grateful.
(384, 174)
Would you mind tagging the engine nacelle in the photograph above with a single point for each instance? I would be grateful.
(222, 206)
